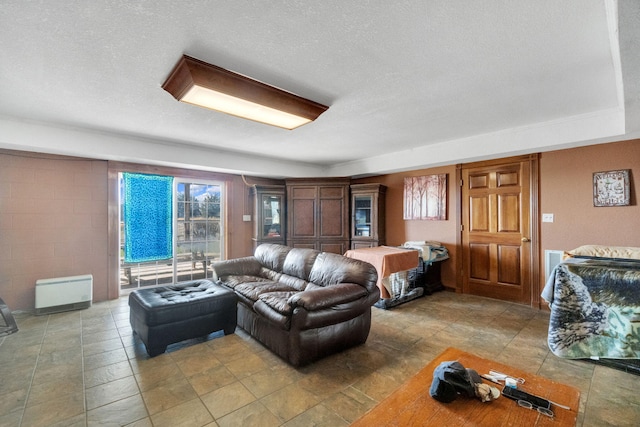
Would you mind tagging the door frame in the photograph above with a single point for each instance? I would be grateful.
(534, 220)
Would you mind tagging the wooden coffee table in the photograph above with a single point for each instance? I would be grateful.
(411, 404)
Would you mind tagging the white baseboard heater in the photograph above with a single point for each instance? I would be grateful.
(63, 294)
(551, 259)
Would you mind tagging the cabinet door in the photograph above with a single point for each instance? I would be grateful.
(269, 214)
(367, 215)
(333, 212)
(362, 215)
(302, 212)
(271, 224)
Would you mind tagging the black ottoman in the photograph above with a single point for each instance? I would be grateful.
(169, 314)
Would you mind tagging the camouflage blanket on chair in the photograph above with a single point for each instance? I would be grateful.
(595, 308)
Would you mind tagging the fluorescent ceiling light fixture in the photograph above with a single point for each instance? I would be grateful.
(205, 85)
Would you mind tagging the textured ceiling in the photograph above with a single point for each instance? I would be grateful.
(409, 83)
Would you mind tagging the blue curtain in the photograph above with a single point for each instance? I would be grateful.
(148, 217)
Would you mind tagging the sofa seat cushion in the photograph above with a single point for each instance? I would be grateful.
(235, 280)
(293, 282)
(279, 301)
(252, 291)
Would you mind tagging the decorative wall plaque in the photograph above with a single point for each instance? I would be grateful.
(611, 188)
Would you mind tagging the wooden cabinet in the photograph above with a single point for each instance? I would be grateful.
(269, 214)
(367, 215)
(318, 214)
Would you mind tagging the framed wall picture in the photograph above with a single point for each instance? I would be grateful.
(611, 188)
(425, 197)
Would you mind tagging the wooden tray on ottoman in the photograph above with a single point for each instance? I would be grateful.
(411, 404)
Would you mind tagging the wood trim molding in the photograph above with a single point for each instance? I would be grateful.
(534, 214)
(514, 159)
(458, 218)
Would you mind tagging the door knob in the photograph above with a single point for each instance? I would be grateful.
(526, 239)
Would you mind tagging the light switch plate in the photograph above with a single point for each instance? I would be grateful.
(246, 218)
(547, 217)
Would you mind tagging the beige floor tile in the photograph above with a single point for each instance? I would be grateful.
(65, 357)
(145, 422)
(145, 364)
(110, 392)
(16, 377)
(229, 348)
(121, 412)
(227, 399)
(103, 359)
(404, 367)
(350, 404)
(43, 392)
(252, 415)
(377, 386)
(575, 372)
(237, 381)
(188, 414)
(10, 419)
(189, 348)
(77, 421)
(158, 375)
(599, 414)
(290, 402)
(100, 336)
(322, 383)
(13, 352)
(106, 374)
(101, 346)
(50, 373)
(198, 363)
(13, 401)
(54, 410)
(355, 362)
(613, 398)
(212, 379)
(318, 416)
(267, 381)
(247, 365)
(168, 394)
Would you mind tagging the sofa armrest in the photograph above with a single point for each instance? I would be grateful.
(319, 298)
(247, 266)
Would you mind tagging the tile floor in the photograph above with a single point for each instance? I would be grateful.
(85, 368)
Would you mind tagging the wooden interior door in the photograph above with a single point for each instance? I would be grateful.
(497, 229)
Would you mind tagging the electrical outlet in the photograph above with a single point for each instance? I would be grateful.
(246, 218)
(547, 217)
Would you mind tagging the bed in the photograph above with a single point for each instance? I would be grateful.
(594, 297)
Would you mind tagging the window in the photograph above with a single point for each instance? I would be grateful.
(196, 238)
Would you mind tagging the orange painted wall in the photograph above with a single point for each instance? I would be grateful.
(400, 231)
(566, 190)
(53, 214)
(566, 187)
(54, 223)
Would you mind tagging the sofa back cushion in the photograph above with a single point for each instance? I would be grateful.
(272, 256)
(330, 269)
(297, 265)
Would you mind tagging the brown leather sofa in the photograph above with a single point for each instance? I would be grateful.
(300, 303)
